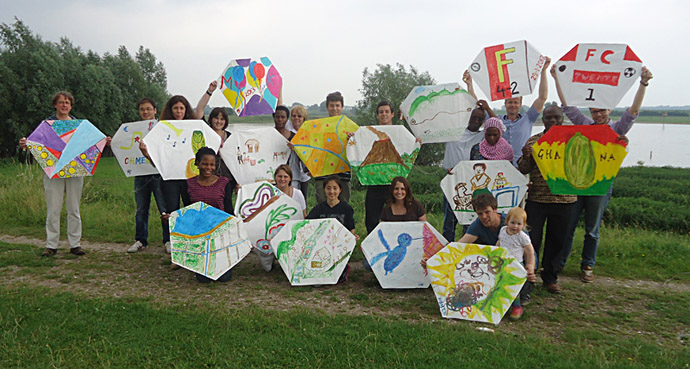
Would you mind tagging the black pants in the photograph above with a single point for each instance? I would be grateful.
(557, 219)
(172, 191)
(373, 203)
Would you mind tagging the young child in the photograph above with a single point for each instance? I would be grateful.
(518, 243)
(333, 207)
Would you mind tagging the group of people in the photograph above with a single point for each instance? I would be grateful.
(505, 137)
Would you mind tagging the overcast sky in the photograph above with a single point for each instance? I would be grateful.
(323, 46)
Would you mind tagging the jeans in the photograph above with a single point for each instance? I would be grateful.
(449, 221)
(144, 186)
(374, 202)
(593, 207)
(557, 218)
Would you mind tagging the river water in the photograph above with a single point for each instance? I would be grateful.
(655, 145)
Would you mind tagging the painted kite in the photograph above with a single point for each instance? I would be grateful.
(579, 160)
(125, 146)
(66, 148)
(378, 154)
(508, 70)
(320, 143)
(252, 87)
(438, 113)
(207, 240)
(475, 282)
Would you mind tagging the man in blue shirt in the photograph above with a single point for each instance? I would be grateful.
(484, 230)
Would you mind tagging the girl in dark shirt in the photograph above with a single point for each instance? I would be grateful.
(402, 206)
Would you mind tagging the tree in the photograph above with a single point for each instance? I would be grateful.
(394, 84)
(105, 89)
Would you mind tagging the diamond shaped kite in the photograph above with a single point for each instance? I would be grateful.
(395, 249)
(313, 251)
(253, 155)
(320, 143)
(207, 240)
(125, 146)
(472, 177)
(66, 148)
(252, 87)
(579, 160)
(475, 282)
(172, 145)
(597, 75)
(507, 70)
(438, 113)
(265, 210)
(378, 154)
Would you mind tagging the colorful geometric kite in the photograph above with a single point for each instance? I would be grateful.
(579, 160)
(313, 251)
(265, 210)
(438, 113)
(380, 153)
(251, 86)
(66, 148)
(597, 75)
(320, 143)
(395, 249)
(472, 177)
(125, 146)
(206, 240)
(252, 155)
(475, 282)
(507, 70)
(172, 145)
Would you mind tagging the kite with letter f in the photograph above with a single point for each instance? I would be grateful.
(597, 75)
(508, 70)
(579, 160)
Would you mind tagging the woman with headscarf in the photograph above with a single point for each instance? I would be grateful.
(493, 146)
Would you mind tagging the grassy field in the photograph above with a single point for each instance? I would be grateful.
(112, 309)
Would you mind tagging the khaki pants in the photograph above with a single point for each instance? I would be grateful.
(56, 190)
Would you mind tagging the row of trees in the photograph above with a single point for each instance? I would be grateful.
(105, 88)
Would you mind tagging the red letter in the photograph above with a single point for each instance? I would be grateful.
(604, 55)
(590, 52)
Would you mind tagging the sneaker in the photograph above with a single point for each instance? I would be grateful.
(525, 299)
(168, 247)
(77, 251)
(48, 252)
(175, 266)
(346, 274)
(138, 246)
(552, 288)
(516, 313)
(587, 275)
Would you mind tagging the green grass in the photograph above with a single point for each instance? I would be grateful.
(43, 329)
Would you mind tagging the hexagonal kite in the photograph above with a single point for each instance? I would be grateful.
(252, 155)
(207, 240)
(597, 75)
(172, 145)
(252, 87)
(438, 113)
(579, 160)
(265, 210)
(395, 249)
(320, 143)
(125, 146)
(507, 70)
(378, 154)
(313, 251)
(66, 148)
(472, 177)
(475, 282)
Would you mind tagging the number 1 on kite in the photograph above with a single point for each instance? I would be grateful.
(591, 92)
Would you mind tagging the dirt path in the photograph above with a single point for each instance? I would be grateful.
(108, 271)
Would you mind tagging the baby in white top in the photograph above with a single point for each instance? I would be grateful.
(517, 242)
